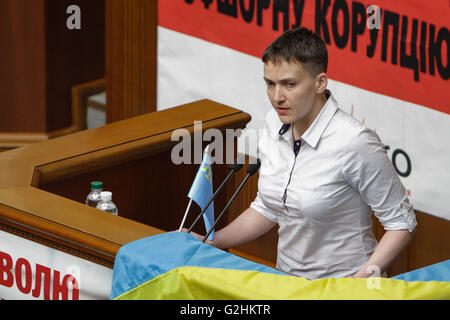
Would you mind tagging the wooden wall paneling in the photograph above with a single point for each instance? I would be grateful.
(72, 56)
(22, 60)
(431, 243)
(131, 41)
(41, 59)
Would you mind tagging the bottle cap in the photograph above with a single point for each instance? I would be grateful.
(106, 195)
(96, 185)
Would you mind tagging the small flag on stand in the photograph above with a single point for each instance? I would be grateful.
(202, 190)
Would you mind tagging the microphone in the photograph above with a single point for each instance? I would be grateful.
(251, 170)
(234, 168)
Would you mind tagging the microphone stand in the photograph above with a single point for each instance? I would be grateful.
(226, 207)
(250, 171)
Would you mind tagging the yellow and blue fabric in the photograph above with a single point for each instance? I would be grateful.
(202, 190)
(176, 265)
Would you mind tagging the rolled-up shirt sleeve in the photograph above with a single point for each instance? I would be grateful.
(368, 169)
(259, 206)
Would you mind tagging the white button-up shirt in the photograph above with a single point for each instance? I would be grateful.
(322, 199)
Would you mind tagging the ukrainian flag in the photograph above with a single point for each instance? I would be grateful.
(176, 265)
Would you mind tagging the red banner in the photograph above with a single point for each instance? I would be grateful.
(400, 50)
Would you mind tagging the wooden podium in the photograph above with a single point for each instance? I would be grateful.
(43, 186)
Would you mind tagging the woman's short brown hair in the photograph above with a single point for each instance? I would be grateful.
(301, 45)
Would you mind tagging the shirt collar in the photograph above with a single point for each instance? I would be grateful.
(314, 132)
(285, 127)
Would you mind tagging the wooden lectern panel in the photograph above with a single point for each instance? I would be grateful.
(43, 186)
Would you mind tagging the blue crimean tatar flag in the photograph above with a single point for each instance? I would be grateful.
(202, 190)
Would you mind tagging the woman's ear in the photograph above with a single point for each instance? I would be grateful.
(321, 82)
